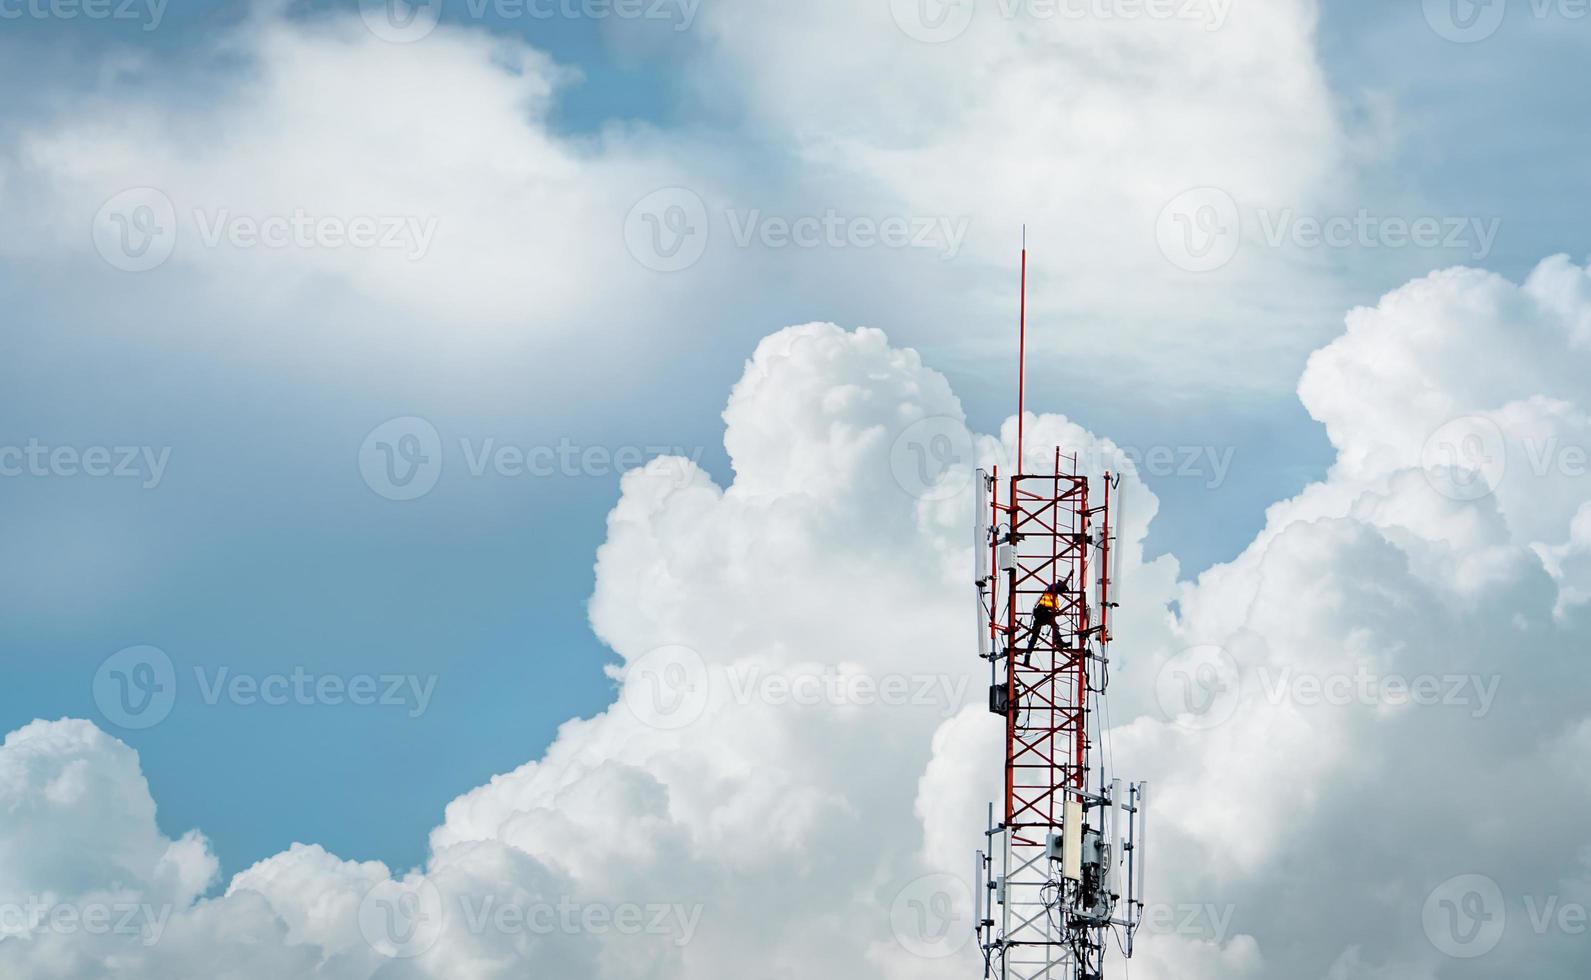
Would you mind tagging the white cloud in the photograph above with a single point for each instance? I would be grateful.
(1084, 121)
(776, 825)
(1085, 129)
(329, 173)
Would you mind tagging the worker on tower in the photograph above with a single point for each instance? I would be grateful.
(1046, 612)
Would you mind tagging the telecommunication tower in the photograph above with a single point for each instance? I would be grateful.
(1061, 874)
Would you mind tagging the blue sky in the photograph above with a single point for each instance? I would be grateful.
(262, 550)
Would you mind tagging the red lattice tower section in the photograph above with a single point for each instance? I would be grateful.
(1045, 521)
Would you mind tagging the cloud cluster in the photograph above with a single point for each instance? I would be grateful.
(314, 171)
(1345, 726)
(1136, 141)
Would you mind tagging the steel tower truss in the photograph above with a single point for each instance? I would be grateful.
(1063, 867)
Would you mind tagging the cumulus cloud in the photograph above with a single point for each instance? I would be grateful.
(314, 164)
(502, 226)
(1111, 130)
(1344, 726)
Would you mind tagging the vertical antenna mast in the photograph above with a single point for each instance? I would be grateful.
(1022, 353)
(1063, 870)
